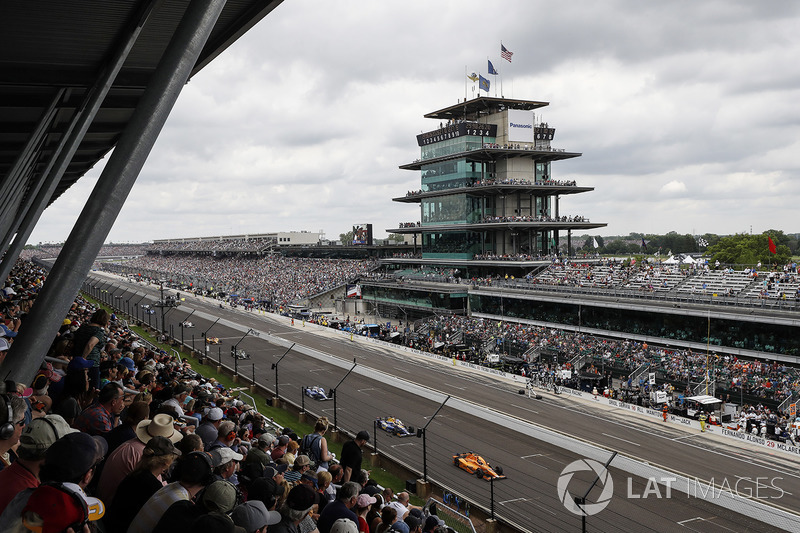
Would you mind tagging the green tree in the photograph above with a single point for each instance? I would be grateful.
(396, 237)
(346, 238)
(746, 249)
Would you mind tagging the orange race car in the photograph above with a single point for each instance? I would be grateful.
(475, 464)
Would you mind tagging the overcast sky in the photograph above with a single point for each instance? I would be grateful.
(686, 113)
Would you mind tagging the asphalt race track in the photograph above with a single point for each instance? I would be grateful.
(528, 499)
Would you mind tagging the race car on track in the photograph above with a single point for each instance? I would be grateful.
(475, 464)
(395, 426)
(212, 340)
(317, 393)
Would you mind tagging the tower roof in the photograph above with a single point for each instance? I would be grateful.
(482, 106)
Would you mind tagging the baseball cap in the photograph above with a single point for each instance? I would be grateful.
(365, 500)
(412, 522)
(79, 363)
(214, 414)
(268, 438)
(273, 470)
(159, 446)
(59, 507)
(302, 460)
(283, 440)
(344, 525)
(432, 522)
(3, 344)
(72, 456)
(311, 477)
(223, 455)
(219, 496)
(128, 363)
(41, 433)
(253, 515)
(301, 497)
(363, 435)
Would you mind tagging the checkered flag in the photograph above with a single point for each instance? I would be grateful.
(702, 242)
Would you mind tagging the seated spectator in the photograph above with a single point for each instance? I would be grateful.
(299, 501)
(13, 406)
(209, 427)
(34, 442)
(138, 486)
(101, 417)
(125, 458)
(260, 451)
(71, 459)
(193, 472)
(301, 466)
(226, 462)
(135, 413)
(342, 507)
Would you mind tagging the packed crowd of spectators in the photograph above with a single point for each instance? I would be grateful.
(273, 278)
(107, 250)
(114, 435)
(222, 244)
(768, 380)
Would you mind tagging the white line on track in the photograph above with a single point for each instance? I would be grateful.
(403, 444)
(365, 390)
(623, 440)
(524, 408)
(512, 501)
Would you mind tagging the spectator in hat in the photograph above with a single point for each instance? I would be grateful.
(180, 394)
(298, 504)
(71, 459)
(226, 462)
(101, 417)
(58, 508)
(351, 455)
(342, 507)
(431, 523)
(125, 458)
(254, 517)
(300, 467)
(260, 452)
(209, 427)
(34, 442)
(193, 472)
(138, 486)
(363, 505)
(218, 497)
(344, 525)
(374, 513)
(414, 524)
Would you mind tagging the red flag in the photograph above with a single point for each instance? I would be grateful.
(772, 247)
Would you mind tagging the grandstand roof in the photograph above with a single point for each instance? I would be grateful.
(51, 54)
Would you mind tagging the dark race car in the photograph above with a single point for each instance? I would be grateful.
(395, 426)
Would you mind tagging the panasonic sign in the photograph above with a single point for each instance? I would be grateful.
(520, 126)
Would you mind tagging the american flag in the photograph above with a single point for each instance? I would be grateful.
(505, 53)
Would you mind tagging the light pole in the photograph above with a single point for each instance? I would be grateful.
(235, 353)
(184, 326)
(335, 427)
(275, 368)
(205, 339)
(422, 432)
